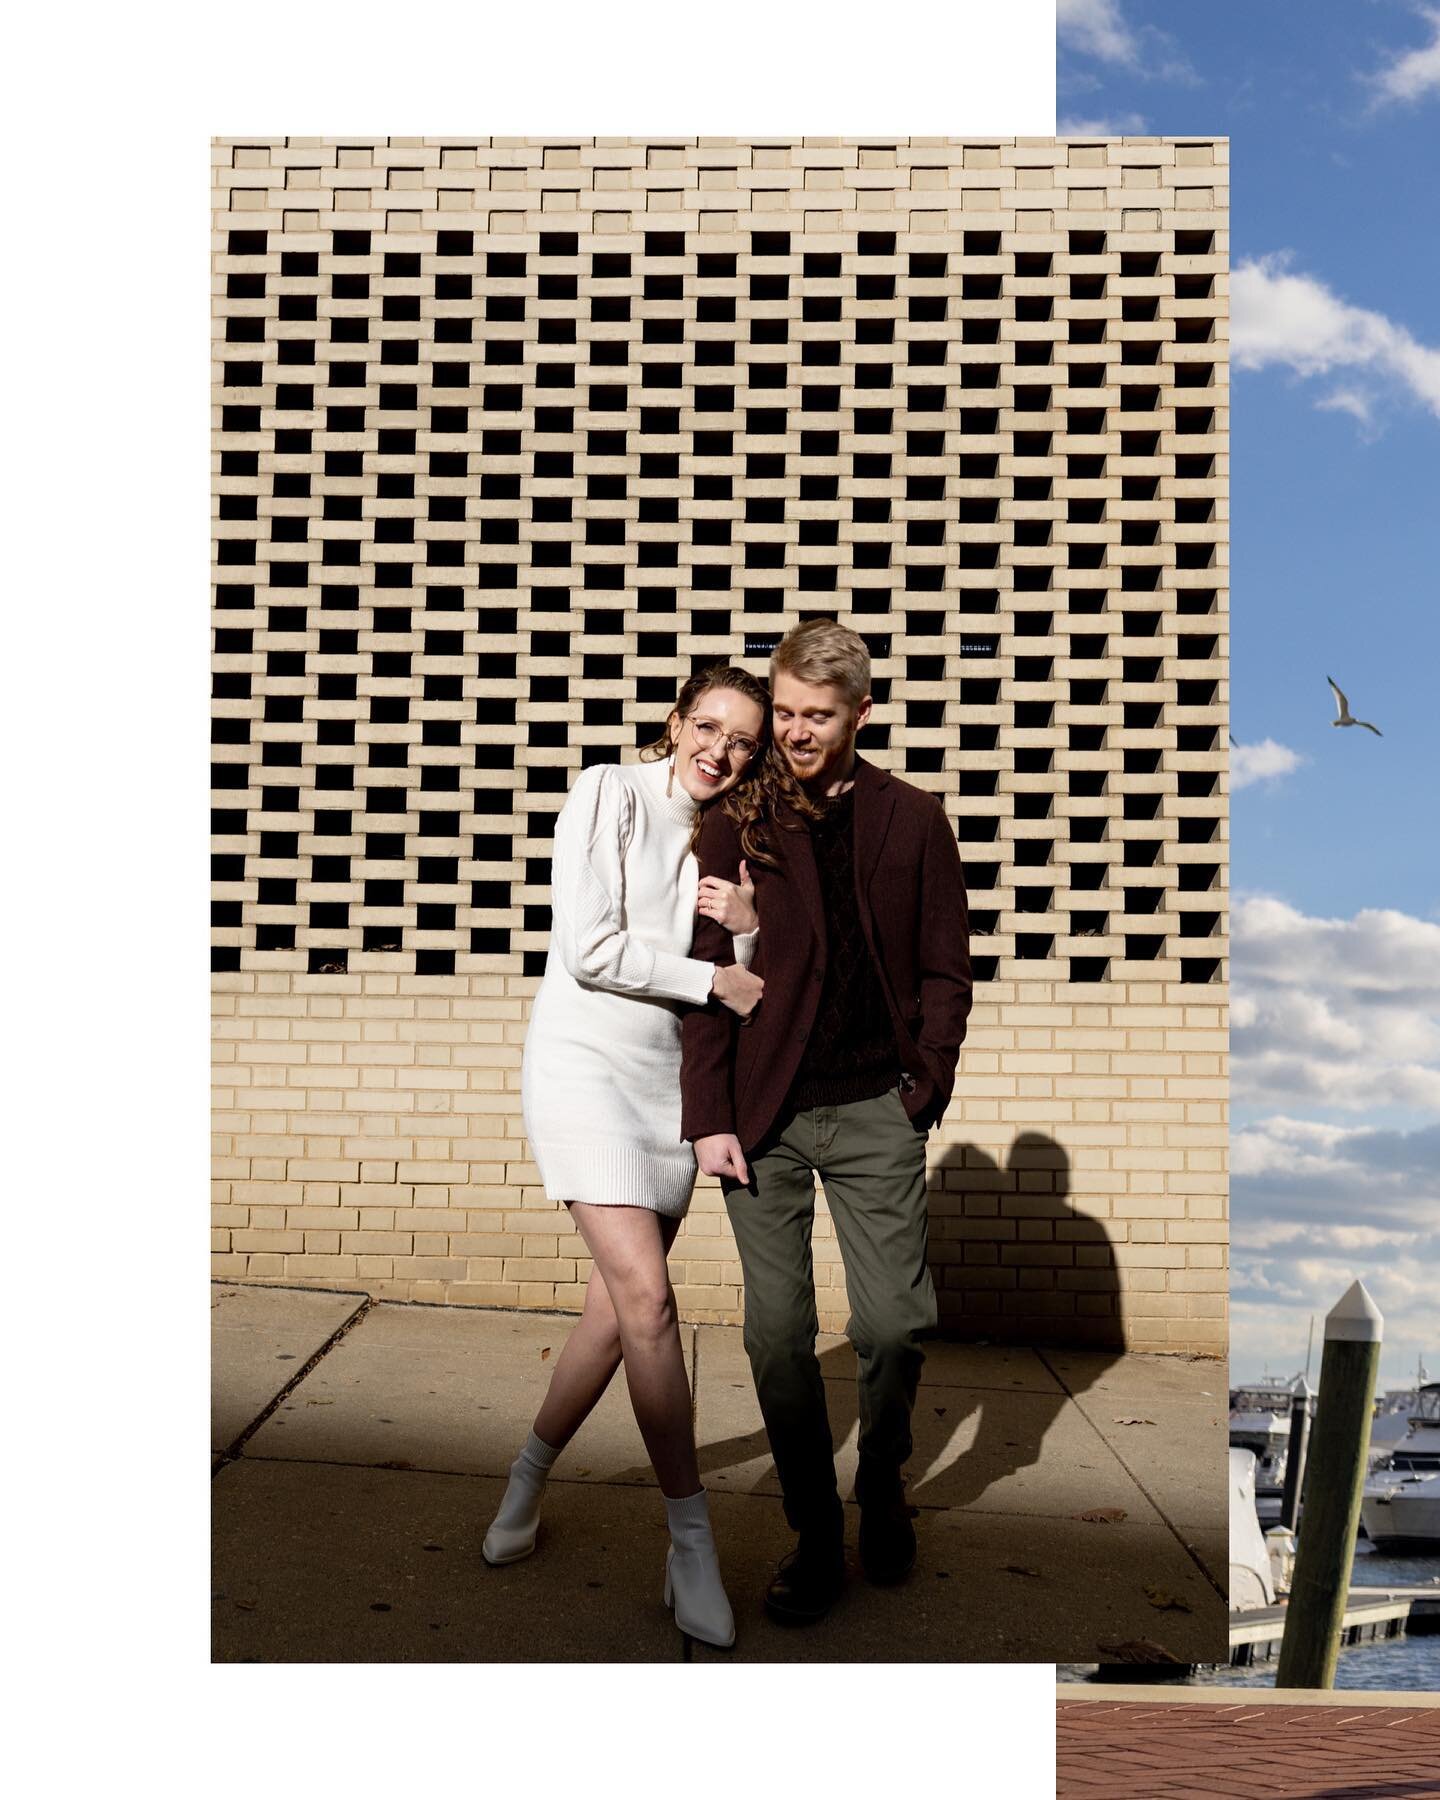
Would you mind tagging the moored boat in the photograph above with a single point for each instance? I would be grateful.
(1400, 1508)
(1260, 1423)
(1252, 1580)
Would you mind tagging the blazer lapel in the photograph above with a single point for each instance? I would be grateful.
(874, 808)
(798, 861)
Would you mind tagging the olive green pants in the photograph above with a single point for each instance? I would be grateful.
(871, 1162)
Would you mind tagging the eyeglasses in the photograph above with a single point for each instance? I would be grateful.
(708, 734)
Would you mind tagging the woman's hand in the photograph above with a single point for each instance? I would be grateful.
(737, 988)
(729, 903)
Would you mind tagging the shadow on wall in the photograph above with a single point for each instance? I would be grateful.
(1011, 1258)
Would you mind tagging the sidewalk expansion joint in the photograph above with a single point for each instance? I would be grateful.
(231, 1452)
(1165, 1517)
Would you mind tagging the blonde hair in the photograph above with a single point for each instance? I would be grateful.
(826, 654)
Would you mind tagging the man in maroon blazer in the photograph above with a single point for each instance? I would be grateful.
(841, 1071)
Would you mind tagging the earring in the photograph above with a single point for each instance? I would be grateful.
(670, 780)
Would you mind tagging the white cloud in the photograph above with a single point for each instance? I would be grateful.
(1096, 28)
(1361, 408)
(1340, 1016)
(1272, 1306)
(1265, 761)
(1315, 1177)
(1378, 949)
(1411, 74)
(1316, 1206)
(1337, 1014)
(1268, 1235)
(1099, 29)
(1118, 125)
(1295, 321)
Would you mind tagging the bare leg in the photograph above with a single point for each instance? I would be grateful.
(629, 1245)
(629, 1315)
(589, 1360)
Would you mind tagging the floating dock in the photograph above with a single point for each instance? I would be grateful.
(1371, 1615)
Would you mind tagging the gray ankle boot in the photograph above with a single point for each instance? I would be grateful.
(692, 1574)
(511, 1538)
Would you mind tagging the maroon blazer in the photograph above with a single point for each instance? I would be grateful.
(911, 893)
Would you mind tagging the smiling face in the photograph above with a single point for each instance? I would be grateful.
(815, 728)
(707, 770)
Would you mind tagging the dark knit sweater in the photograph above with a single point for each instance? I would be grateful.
(850, 1053)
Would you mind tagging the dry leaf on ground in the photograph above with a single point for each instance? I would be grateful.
(1133, 1421)
(1016, 1569)
(544, 1354)
(1101, 1515)
(1164, 1602)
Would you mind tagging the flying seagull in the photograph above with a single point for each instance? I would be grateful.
(1342, 707)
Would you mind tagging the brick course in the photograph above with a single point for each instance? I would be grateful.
(509, 435)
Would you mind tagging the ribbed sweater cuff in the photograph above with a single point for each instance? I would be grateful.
(744, 944)
(683, 977)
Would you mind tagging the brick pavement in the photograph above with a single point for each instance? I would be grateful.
(1243, 1751)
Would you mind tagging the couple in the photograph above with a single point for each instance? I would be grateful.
(841, 886)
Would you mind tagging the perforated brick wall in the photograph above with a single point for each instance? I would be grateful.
(512, 434)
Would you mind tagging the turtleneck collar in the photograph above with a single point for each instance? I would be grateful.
(677, 805)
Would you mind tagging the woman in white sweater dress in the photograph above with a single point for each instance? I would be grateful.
(600, 1091)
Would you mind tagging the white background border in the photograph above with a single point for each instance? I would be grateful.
(109, 452)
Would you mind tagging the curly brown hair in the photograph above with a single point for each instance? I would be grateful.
(751, 802)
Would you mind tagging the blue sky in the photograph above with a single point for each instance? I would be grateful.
(1333, 115)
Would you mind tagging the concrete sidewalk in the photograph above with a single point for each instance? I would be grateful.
(360, 1452)
(1196, 1744)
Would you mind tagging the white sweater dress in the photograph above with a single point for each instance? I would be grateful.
(600, 1079)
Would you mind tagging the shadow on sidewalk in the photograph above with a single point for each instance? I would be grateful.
(360, 1464)
(1015, 1238)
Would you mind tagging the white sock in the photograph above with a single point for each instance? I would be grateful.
(693, 1510)
(539, 1455)
(520, 1506)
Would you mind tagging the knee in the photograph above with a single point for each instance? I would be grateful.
(889, 1339)
(646, 1310)
(780, 1334)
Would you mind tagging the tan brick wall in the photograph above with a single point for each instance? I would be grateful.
(412, 665)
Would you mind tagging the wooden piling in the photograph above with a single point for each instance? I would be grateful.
(1295, 1456)
(1338, 1443)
